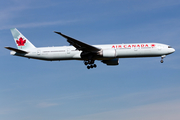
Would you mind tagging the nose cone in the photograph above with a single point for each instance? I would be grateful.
(172, 50)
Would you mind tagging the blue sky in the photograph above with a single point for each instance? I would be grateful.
(139, 88)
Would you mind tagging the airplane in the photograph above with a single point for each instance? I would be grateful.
(109, 54)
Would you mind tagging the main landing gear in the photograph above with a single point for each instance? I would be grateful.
(90, 64)
(162, 57)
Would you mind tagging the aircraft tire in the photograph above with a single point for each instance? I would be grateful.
(95, 65)
(88, 67)
(86, 63)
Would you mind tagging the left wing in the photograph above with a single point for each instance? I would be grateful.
(79, 45)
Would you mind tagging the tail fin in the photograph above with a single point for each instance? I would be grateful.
(22, 42)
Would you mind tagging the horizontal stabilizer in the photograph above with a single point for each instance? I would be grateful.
(16, 50)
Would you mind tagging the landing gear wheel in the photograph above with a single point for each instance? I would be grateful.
(95, 65)
(86, 63)
(162, 57)
(91, 66)
(88, 67)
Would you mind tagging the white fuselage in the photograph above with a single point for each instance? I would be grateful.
(108, 51)
(108, 54)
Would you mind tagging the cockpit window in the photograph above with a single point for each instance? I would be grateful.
(169, 47)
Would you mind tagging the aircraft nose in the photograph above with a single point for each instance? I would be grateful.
(172, 50)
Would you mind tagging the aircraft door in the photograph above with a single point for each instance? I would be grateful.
(159, 47)
(38, 52)
(136, 48)
(68, 51)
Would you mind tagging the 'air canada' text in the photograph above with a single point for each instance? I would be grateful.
(132, 45)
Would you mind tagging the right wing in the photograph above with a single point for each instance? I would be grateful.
(79, 45)
(16, 50)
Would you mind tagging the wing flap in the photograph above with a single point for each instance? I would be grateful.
(16, 50)
(79, 45)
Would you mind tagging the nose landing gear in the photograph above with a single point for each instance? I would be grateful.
(162, 57)
(162, 61)
(90, 64)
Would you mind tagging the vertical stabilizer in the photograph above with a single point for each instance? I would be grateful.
(22, 42)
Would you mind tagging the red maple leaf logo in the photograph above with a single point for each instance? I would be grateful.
(20, 42)
(153, 45)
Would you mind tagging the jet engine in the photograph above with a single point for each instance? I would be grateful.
(114, 61)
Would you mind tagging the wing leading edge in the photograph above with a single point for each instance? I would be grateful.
(79, 45)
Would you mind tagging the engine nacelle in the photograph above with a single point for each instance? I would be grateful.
(109, 53)
(114, 61)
